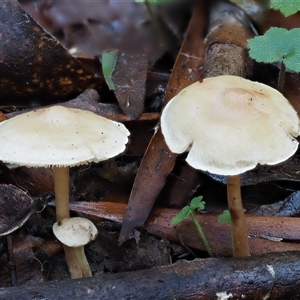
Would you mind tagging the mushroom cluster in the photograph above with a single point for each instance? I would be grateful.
(60, 138)
(229, 125)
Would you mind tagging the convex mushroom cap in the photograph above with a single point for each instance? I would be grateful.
(75, 232)
(59, 136)
(230, 124)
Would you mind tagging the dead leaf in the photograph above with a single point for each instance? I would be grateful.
(34, 65)
(129, 78)
(15, 208)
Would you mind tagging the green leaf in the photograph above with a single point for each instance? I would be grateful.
(287, 7)
(292, 59)
(268, 48)
(275, 45)
(197, 203)
(225, 217)
(109, 60)
(183, 214)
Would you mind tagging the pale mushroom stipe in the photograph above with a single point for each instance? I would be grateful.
(60, 137)
(229, 125)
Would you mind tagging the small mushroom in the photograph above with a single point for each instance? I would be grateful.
(229, 125)
(60, 138)
(76, 233)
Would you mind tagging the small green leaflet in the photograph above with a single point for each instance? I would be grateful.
(287, 7)
(275, 45)
(196, 204)
(225, 217)
(109, 61)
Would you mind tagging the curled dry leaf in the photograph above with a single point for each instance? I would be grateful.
(15, 208)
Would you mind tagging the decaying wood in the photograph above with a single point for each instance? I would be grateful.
(228, 31)
(271, 276)
(266, 233)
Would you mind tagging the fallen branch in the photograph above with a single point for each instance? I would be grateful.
(266, 233)
(271, 276)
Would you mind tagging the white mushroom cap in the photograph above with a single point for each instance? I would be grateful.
(75, 232)
(59, 136)
(230, 124)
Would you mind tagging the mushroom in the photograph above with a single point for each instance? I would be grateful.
(229, 125)
(76, 233)
(60, 137)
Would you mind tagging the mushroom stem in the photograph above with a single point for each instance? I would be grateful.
(61, 189)
(81, 258)
(239, 225)
(77, 262)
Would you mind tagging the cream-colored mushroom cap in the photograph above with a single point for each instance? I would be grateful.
(75, 232)
(230, 124)
(59, 136)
